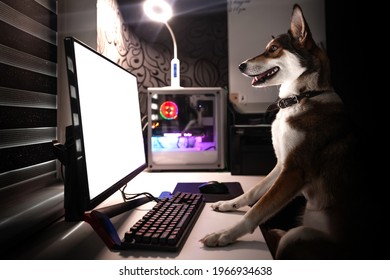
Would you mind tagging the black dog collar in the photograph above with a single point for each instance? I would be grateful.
(282, 103)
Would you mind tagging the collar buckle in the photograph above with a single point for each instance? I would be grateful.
(288, 101)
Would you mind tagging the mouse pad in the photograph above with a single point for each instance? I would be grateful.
(235, 190)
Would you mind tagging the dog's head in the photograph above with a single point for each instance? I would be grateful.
(287, 56)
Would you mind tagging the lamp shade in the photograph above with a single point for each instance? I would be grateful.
(158, 10)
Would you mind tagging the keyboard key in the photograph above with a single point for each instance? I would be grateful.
(167, 225)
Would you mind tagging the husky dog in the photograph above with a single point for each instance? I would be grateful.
(316, 154)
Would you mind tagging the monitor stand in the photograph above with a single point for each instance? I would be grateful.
(99, 219)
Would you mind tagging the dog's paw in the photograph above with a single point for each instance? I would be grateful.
(224, 206)
(217, 239)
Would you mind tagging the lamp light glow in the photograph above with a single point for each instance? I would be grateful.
(158, 10)
(161, 11)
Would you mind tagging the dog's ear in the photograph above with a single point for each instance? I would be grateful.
(299, 27)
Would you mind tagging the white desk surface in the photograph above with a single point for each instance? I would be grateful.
(77, 240)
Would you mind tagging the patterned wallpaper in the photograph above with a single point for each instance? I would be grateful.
(202, 49)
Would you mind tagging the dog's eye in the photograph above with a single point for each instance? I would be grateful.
(273, 48)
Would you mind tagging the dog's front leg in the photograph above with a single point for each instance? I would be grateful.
(285, 188)
(250, 197)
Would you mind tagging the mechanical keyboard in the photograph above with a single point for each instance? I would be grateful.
(167, 225)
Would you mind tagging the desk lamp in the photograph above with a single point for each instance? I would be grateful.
(161, 11)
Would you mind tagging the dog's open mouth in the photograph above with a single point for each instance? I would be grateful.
(259, 79)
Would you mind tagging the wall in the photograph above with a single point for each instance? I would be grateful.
(201, 40)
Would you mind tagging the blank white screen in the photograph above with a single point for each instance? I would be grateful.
(110, 118)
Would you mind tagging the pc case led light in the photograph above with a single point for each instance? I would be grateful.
(186, 128)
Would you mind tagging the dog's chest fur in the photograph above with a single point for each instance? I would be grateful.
(284, 137)
(312, 120)
(305, 135)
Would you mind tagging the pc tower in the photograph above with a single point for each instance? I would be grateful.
(186, 128)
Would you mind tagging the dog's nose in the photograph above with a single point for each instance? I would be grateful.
(242, 66)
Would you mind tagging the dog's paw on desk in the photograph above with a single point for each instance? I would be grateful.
(224, 206)
(217, 239)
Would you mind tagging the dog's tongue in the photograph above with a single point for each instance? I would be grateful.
(259, 79)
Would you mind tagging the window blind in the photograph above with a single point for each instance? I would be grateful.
(28, 117)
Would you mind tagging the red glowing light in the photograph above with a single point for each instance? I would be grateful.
(169, 110)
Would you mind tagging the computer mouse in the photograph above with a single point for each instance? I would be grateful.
(213, 187)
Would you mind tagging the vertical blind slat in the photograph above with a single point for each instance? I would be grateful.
(28, 86)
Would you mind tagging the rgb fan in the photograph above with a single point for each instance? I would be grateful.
(169, 110)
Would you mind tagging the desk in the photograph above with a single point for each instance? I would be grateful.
(77, 240)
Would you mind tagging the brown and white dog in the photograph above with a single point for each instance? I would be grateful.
(314, 146)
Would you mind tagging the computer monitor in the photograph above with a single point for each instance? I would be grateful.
(105, 143)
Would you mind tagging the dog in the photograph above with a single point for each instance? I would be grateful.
(315, 146)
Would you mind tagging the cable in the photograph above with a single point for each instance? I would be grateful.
(144, 117)
(145, 126)
(62, 172)
(128, 196)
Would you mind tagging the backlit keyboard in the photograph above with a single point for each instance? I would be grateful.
(167, 225)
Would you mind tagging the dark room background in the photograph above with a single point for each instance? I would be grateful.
(28, 89)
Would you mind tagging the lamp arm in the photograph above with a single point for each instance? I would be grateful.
(175, 63)
(173, 39)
